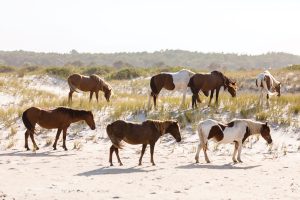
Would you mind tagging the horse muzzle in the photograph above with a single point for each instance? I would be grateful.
(178, 140)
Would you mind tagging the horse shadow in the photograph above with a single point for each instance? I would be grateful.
(211, 166)
(36, 154)
(112, 170)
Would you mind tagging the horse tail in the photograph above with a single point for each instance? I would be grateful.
(154, 91)
(26, 121)
(201, 137)
(116, 141)
(256, 83)
(72, 86)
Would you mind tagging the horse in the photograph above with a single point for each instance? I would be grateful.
(236, 131)
(177, 81)
(92, 83)
(210, 82)
(59, 118)
(147, 132)
(268, 84)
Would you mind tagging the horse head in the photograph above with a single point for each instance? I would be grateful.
(232, 87)
(174, 130)
(277, 89)
(265, 133)
(107, 93)
(89, 119)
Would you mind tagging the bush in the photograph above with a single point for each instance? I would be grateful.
(59, 71)
(97, 70)
(6, 69)
(127, 73)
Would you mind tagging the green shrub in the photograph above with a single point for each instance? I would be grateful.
(127, 73)
(103, 70)
(59, 71)
(6, 69)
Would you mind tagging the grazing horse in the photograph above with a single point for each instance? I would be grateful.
(210, 82)
(236, 131)
(92, 83)
(147, 132)
(170, 81)
(59, 118)
(268, 84)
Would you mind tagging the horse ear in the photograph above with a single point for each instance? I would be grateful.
(266, 123)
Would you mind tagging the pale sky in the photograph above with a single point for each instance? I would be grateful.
(230, 26)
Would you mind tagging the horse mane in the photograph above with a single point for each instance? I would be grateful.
(72, 112)
(254, 126)
(161, 126)
(103, 84)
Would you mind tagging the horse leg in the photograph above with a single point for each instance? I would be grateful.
(111, 151)
(70, 96)
(205, 154)
(64, 139)
(200, 146)
(142, 153)
(183, 97)
(33, 141)
(154, 100)
(118, 157)
(152, 151)
(211, 96)
(97, 95)
(239, 152)
(217, 96)
(26, 140)
(236, 145)
(56, 138)
(91, 95)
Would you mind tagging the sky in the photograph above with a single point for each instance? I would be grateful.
(108, 26)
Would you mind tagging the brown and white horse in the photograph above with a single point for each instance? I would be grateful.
(169, 81)
(210, 82)
(268, 84)
(237, 131)
(92, 84)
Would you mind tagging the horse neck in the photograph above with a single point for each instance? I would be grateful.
(254, 127)
(272, 78)
(78, 115)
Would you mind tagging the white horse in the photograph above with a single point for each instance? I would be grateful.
(170, 81)
(237, 131)
(268, 84)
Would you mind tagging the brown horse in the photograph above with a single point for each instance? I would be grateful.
(210, 82)
(59, 118)
(92, 83)
(145, 133)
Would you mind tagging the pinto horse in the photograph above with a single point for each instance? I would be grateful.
(92, 84)
(210, 82)
(169, 81)
(147, 132)
(59, 118)
(236, 131)
(268, 84)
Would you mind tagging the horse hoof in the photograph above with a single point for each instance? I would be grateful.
(207, 161)
(121, 164)
(197, 161)
(153, 164)
(37, 148)
(27, 149)
(54, 148)
(111, 164)
(140, 164)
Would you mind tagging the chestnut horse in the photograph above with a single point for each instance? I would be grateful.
(170, 81)
(59, 118)
(144, 133)
(210, 82)
(92, 83)
(237, 131)
(268, 84)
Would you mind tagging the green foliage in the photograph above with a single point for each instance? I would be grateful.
(127, 73)
(63, 72)
(101, 71)
(6, 69)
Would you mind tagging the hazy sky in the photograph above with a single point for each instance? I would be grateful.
(244, 26)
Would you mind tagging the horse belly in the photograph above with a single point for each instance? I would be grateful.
(86, 84)
(231, 135)
(48, 124)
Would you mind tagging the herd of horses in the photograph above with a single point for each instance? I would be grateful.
(149, 131)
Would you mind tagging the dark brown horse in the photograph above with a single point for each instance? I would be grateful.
(145, 133)
(59, 118)
(210, 82)
(92, 84)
